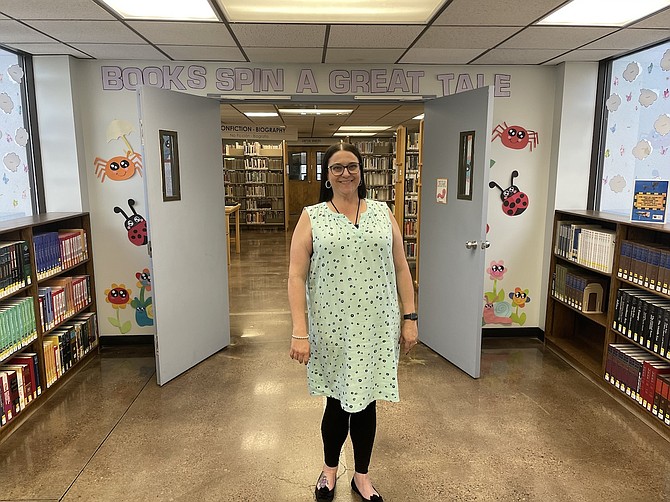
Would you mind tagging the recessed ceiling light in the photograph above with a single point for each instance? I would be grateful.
(313, 111)
(418, 117)
(342, 11)
(193, 10)
(603, 12)
(354, 134)
(363, 128)
(261, 114)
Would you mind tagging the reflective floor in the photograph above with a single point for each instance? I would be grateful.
(241, 427)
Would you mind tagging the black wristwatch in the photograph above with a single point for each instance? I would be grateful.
(413, 316)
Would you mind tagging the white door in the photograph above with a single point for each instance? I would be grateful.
(451, 288)
(187, 236)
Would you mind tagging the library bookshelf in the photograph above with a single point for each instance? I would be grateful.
(255, 177)
(48, 327)
(380, 169)
(619, 335)
(408, 193)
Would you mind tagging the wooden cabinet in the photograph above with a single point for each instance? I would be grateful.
(57, 333)
(617, 346)
(255, 178)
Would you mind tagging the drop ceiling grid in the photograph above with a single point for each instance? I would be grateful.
(177, 33)
(57, 9)
(495, 12)
(15, 32)
(440, 56)
(202, 53)
(355, 56)
(120, 51)
(87, 31)
(554, 37)
(521, 56)
(280, 35)
(629, 37)
(285, 55)
(373, 36)
(463, 37)
(660, 20)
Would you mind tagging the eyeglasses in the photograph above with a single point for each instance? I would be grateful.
(338, 169)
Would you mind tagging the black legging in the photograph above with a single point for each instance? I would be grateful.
(337, 423)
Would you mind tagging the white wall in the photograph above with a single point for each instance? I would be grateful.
(570, 167)
(60, 137)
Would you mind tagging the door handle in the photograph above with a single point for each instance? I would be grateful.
(486, 244)
(471, 245)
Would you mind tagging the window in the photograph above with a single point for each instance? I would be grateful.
(637, 136)
(17, 193)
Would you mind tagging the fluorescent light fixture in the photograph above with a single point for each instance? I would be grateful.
(342, 11)
(603, 12)
(313, 111)
(261, 114)
(247, 97)
(418, 117)
(354, 134)
(363, 128)
(174, 10)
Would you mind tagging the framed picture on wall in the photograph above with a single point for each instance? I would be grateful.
(466, 159)
(169, 165)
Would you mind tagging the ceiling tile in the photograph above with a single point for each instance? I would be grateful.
(378, 56)
(660, 20)
(212, 34)
(461, 37)
(372, 36)
(280, 35)
(583, 55)
(517, 56)
(87, 31)
(554, 37)
(13, 31)
(53, 9)
(284, 55)
(495, 12)
(202, 52)
(440, 56)
(630, 38)
(49, 49)
(121, 51)
(2, 16)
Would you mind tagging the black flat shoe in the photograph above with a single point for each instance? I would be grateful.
(374, 498)
(324, 493)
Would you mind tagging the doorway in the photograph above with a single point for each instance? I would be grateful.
(304, 179)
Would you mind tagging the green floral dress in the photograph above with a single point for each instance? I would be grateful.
(352, 305)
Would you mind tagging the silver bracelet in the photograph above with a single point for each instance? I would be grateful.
(300, 337)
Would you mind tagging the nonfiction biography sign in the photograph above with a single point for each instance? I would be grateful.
(219, 81)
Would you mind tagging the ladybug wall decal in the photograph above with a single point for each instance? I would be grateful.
(136, 225)
(514, 200)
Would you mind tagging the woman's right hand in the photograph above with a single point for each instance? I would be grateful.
(299, 350)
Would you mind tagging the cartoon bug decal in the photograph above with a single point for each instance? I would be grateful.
(515, 137)
(136, 225)
(118, 168)
(514, 200)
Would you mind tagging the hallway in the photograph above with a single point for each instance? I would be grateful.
(241, 426)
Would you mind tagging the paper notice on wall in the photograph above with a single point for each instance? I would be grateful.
(441, 195)
(650, 201)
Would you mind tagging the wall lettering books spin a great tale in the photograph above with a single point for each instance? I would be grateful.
(650, 201)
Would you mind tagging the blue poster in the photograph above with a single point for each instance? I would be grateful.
(650, 201)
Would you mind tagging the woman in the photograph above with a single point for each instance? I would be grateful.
(348, 267)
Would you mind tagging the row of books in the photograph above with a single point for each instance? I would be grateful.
(641, 376)
(60, 298)
(275, 204)
(380, 193)
(68, 344)
(264, 191)
(15, 270)
(17, 325)
(377, 164)
(588, 245)
(412, 165)
(378, 178)
(258, 217)
(56, 251)
(578, 289)
(410, 249)
(644, 318)
(645, 264)
(252, 177)
(411, 208)
(411, 185)
(252, 148)
(410, 228)
(376, 147)
(19, 384)
(413, 141)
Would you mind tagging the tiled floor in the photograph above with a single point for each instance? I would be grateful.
(241, 427)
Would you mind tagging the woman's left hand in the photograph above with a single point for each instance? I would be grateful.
(409, 335)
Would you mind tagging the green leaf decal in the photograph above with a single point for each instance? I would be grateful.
(126, 327)
(113, 321)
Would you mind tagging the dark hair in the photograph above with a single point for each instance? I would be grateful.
(327, 193)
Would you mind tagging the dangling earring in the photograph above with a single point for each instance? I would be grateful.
(328, 184)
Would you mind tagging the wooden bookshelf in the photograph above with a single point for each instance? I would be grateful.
(584, 339)
(380, 169)
(75, 260)
(255, 177)
(408, 193)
